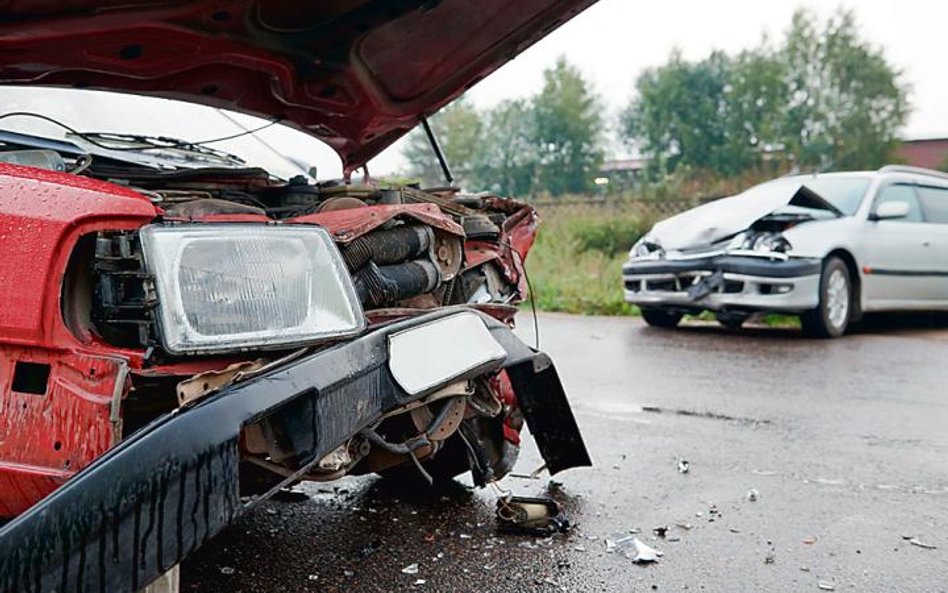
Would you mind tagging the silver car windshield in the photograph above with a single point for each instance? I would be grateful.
(845, 193)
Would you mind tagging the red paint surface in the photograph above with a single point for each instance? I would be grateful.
(44, 439)
(42, 214)
(356, 74)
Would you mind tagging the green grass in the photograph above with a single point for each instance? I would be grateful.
(576, 263)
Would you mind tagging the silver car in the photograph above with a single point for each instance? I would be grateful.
(826, 247)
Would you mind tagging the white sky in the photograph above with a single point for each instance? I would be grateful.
(611, 42)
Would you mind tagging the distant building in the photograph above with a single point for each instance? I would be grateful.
(620, 174)
(931, 153)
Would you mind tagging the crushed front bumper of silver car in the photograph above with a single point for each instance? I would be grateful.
(724, 281)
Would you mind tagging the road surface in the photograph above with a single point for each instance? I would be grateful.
(844, 442)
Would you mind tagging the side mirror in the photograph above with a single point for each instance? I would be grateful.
(891, 211)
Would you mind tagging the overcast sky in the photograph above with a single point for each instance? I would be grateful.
(614, 40)
(612, 43)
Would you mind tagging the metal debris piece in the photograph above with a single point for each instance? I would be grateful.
(809, 540)
(826, 585)
(661, 531)
(916, 542)
(312, 577)
(419, 582)
(541, 517)
(644, 554)
(683, 466)
(228, 570)
(411, 569)
(753, 495)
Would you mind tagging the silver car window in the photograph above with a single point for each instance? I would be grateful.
(934, 203)
(901, 192)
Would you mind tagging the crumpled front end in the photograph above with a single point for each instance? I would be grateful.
(185, 349)
(157, 496)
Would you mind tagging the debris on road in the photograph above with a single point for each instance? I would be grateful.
(643, 553)
(411, 569)
(227, 570)
(809, 540)
(826, 585)
(753, 495)
(632, 547)
(541, 517)
(917, 542)
(661, 531)
(683, 466)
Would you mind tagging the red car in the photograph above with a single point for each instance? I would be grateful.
(183, 334)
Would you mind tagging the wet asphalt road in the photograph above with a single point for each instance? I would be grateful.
(846, 442)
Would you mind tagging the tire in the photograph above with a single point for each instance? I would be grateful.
(837, 303)
(660, 318)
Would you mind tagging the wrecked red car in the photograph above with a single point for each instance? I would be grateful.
(183, 334)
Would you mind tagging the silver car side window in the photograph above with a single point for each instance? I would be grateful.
(901, 192)
(934, 203)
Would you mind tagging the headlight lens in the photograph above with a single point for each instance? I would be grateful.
(768, 242)
(239, 286)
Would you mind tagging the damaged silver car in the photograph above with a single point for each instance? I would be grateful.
(827, 247)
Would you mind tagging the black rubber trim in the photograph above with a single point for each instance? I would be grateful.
(911, 273)
(733, 264)
(155, 498)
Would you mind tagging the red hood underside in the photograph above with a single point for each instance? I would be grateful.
(355, 73)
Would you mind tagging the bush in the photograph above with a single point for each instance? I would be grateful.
(576, 263)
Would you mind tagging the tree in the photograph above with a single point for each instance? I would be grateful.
(824, 99)
(459, 129)
(568, 125)
(508, 156)
(681, 114)
(845, 101)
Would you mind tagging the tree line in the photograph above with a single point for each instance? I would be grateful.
(820, 98)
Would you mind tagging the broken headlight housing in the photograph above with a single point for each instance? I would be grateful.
(229, 287)
(646, 249)
(768, 242)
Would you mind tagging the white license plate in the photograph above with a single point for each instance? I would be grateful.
(428, 356)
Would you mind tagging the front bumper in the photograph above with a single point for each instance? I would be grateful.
(724, 282)
(155, 498)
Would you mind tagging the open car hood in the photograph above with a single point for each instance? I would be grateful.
(357, 74)
(721, 219)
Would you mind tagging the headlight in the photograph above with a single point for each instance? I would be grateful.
(768, 242)
(645, 249)
(233, 287)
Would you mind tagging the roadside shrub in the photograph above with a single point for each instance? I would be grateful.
(576, 263)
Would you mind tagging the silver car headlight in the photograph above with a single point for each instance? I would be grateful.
(767, 242)
(645, 249)
(228, 287)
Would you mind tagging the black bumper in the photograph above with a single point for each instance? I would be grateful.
(158, 496)
(750, 266)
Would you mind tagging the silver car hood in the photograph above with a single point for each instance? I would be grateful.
(718, 220)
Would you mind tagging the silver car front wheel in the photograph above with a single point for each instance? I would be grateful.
(831, 318)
